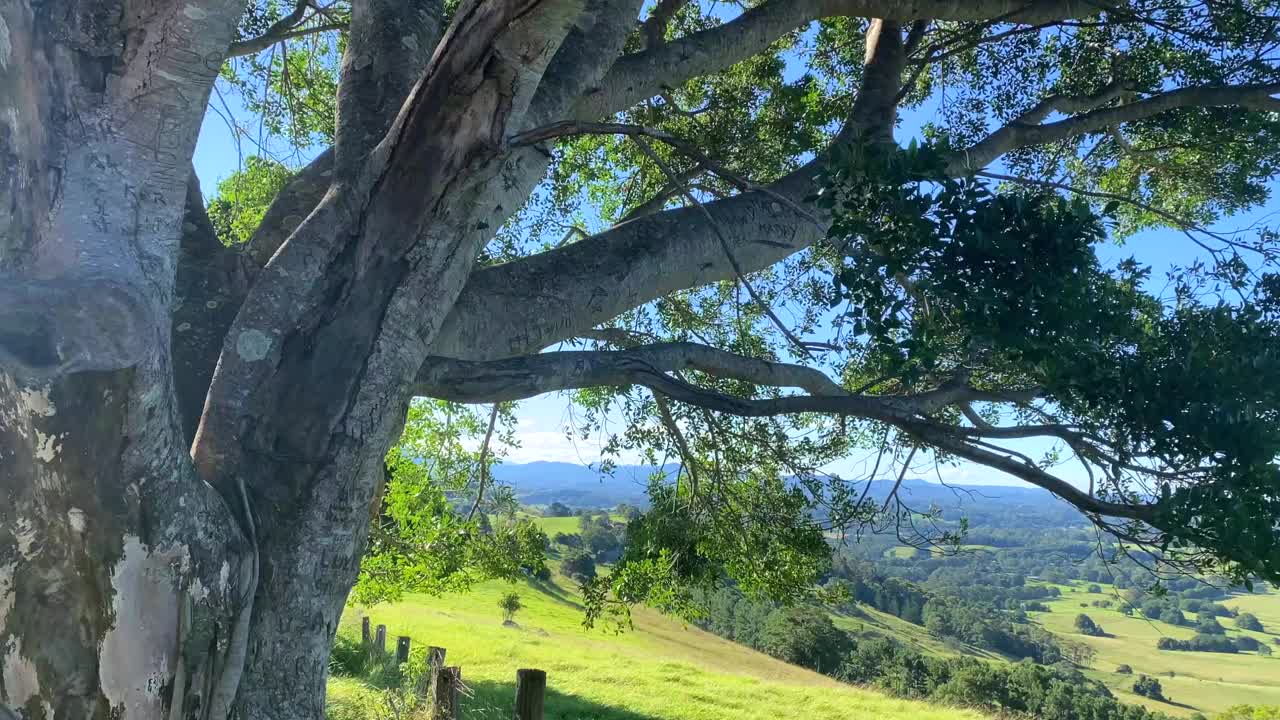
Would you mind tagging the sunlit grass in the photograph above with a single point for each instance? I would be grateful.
(1201, 682)
(659, 670)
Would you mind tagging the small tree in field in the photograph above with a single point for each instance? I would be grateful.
(1147, 686)
(1249, 621)
(510, 604)
(1086, 626)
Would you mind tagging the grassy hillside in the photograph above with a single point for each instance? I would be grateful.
(660, 670)
(1201, 682)
(869, 622)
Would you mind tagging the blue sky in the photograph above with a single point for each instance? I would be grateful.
(543, 420)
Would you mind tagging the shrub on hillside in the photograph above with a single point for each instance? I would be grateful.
(579, 566)
(1095, 588)
(1147, 686)
(1246, 643)
(1086, 626)
(571, 540)
(805, 636)
(1249, 621)
(510, 605)
(1210, 627)
(1124, 670)
(1250, 712)
(1173, 616)
(1199, 643)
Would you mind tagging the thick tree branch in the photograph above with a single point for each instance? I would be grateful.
(654, 28)
(262, 42)
(287, 27)
(646, 74)
(940, 438)
(388, 47)
(526, 305)
(519, 378)
(1020, 133)
(648, 366)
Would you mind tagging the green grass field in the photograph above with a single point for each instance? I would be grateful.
(869, 622)
(660, 670)
(1201, 682)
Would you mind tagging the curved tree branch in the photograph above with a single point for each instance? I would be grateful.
(288, 27)
(647, 366)
(645, 74)
(1023, 133)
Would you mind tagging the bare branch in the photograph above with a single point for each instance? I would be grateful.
(293, 25)
(1026, 131)
(483, 469)
(654, 28)
(646, 74)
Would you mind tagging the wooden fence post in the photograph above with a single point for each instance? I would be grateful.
(366, 637)
(446, 693)
(427, 682)
(380, 639)
(402, 649)
(531, 688)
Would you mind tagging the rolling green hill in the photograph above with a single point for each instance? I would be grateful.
(661, 670)
(1201, 682)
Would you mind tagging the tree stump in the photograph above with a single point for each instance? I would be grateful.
(531, 689)
(402, 649)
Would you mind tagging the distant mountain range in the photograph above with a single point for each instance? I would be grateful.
(542, 483)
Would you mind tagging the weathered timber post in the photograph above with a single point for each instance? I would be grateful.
(402, 649)
(446, 694)
(531, 688)
(427, 682)
(366, 636)
(380, 639)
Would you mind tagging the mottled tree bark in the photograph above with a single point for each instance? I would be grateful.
(123, 576)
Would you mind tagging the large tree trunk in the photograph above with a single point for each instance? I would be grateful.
(123, 576)
(134, 582)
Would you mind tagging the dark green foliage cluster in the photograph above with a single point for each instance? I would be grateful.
(974, 618)
(558, 509)
(569, 540)
(1016, 297)
(804, 635)
(1210, 626)
(579, 566)
(1200, 643)
(1148, 687)
(1021, 689)
(1085, 625)
(759, 533)
(600, 536)
(1249, 621)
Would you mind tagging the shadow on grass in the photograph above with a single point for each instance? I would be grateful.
(496, 701)
(555, 592)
